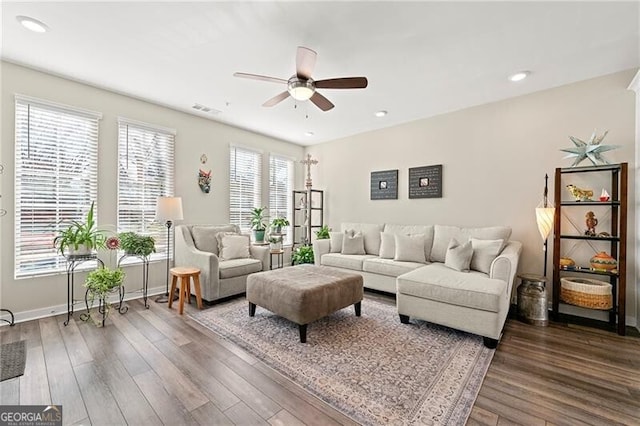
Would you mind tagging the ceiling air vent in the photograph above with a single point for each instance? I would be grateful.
(205, 109)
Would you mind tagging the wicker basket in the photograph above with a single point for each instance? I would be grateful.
(587, 293)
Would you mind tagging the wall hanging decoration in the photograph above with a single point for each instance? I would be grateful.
(203, 159)
(425, 182)
(384, 185)
(591, 150)
(309, 162)
(204, 180)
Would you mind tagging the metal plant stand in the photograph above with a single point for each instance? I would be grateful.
(145, 274)
(103, 305)
(73, 261)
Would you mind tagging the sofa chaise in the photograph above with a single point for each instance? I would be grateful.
(452, 276)
(223, 268)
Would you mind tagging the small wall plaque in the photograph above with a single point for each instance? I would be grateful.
(384, 185)
(425, 182)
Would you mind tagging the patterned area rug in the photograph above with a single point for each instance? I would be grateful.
(372, 368)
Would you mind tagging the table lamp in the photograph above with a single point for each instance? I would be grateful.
(168, 209)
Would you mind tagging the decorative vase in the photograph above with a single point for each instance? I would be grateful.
(603, 261)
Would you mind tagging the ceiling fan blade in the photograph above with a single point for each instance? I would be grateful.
(276, 99)
(305, 62)
(343, 83)
(259, 77)
(321, 102)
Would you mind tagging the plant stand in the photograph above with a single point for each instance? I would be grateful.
(103, 305)
(73, 261)
(145, 274)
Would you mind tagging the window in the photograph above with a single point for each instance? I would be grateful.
(56, 178)
(145, 172)
(245, 180)
(280, 188)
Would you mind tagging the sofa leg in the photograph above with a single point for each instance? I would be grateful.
(252, 309)
(303, 332)
(357, 307)
(490, 343)
(404, 319)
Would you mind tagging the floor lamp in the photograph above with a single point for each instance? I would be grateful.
(544, 219)
(168, 209)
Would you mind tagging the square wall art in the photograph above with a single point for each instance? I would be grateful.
(384, 185)
(425, 182)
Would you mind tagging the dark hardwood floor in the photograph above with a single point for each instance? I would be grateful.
(156, 367)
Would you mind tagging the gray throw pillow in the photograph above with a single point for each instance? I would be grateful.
(233, 246)
(353, 243)
(410, 248)
(458, 255)
(335, 245)
(484, 252)
(387, 245)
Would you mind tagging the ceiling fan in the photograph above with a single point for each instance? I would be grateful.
(302, 87)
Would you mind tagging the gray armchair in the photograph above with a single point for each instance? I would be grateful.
(197, 246)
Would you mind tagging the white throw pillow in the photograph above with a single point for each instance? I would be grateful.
(335, 245)
(410, 248)
(458, 255)
(352, 243)
(387, 245)
(234, 246)
(484, 252)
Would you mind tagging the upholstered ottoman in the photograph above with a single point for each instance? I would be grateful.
(304, 293)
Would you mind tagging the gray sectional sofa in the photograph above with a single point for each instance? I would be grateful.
(420, 270)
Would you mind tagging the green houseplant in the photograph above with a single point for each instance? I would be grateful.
(303, 254)
(323, 233)
(80, 237)
(136, 244)
(278, 223)
(99, 283)
(258, 223)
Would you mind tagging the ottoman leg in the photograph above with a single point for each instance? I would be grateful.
(404, 319)
(252, 309)
(303, 332)
(357, 307)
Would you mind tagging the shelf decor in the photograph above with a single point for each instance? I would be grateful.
(591, 150)
(586, 293)
(384, 185)
(425, 182)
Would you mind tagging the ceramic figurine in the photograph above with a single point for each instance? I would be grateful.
(580, 194)
(591, 221)
(604, 196)
(603, 261)
(204, 180)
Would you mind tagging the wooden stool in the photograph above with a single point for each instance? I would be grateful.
(185, 274)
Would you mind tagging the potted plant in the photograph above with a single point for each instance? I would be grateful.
(303, 254)
(323, 233)
(80, 238)
(136, 244)
(275, 242)
(277, 224)
(99, 283)
(258, 223)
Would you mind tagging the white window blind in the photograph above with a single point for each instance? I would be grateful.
(280, 187)
(245, 180)
(56, 178)
(145, 172)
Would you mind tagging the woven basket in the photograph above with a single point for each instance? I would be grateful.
(587, 293)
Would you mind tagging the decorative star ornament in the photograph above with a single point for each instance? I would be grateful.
(591, 150)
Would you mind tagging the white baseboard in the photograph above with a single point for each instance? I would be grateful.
(79, 306)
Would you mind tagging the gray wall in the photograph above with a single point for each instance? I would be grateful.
(195, 136)
(494, 159)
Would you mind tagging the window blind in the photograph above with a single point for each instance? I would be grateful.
(56, 178)
(280, 188)
(145, 172)
(245, 180)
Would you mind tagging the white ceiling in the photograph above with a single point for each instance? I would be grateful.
(421, 58)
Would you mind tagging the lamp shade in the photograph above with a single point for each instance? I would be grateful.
(169, 208)
(544, 218)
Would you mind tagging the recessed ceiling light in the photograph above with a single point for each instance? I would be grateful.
(308, 133)
(519, 76)
(32, 24)
(381, 113)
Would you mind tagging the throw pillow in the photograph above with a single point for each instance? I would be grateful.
(233, 246)
(484, 252)
(335, 245)
(387, 245)
(410, 248)
(353, 243)
(458, 255)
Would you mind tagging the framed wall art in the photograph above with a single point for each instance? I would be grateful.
(425, 182)
(384, 185)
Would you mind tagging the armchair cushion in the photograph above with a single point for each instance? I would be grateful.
(238, 267)
(204, 237)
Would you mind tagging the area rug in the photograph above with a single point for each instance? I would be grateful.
(12, 359)
(372, 368)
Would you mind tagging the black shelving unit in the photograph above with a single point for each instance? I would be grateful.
(617, 240)
(308, 215)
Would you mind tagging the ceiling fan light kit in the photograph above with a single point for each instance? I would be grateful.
(302, 87)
